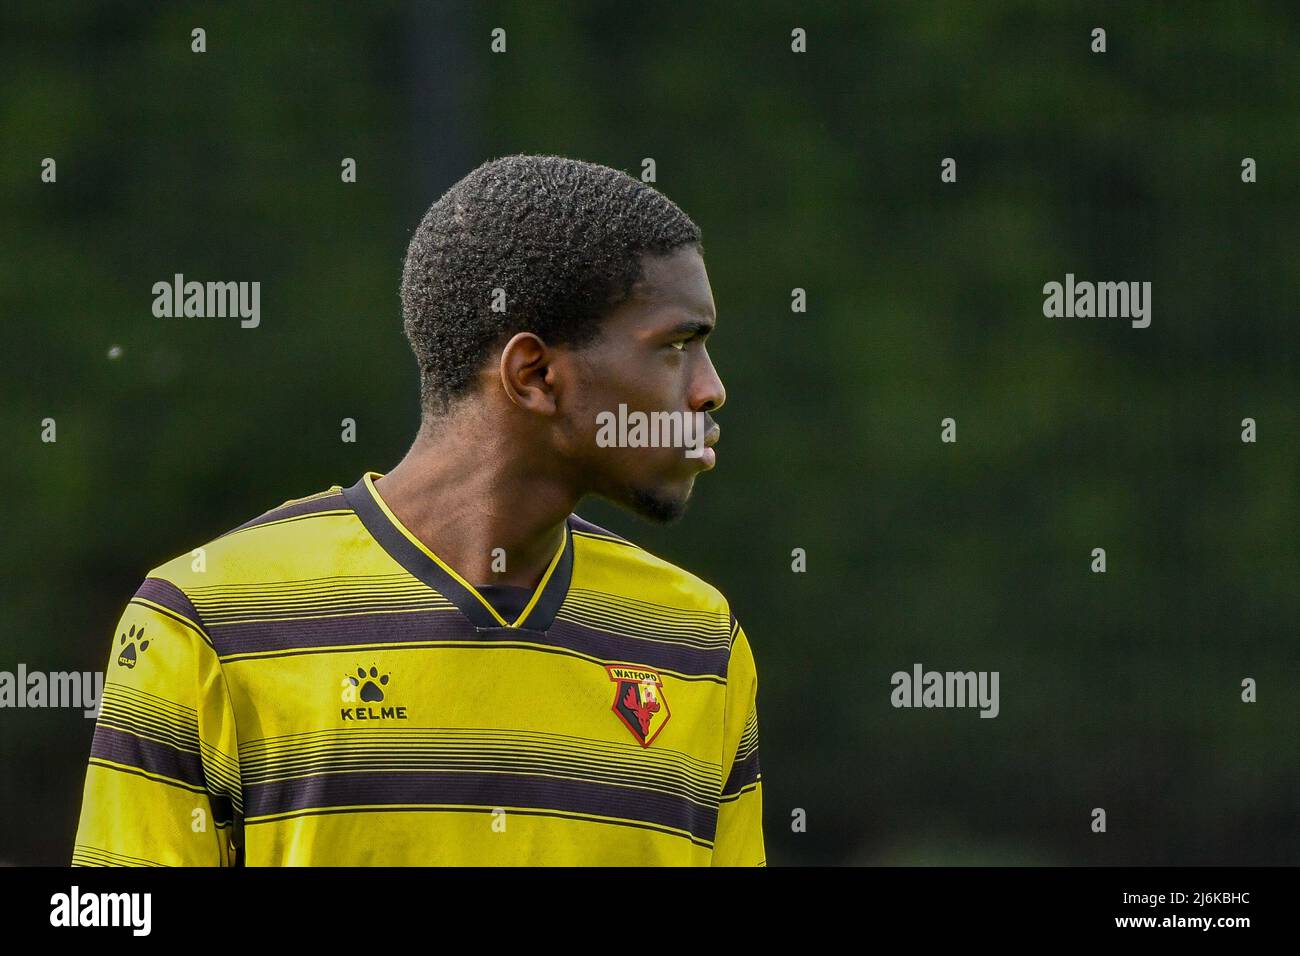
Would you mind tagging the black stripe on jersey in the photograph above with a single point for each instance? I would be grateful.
(156, 778)
(471, 786)
(163, 597)
(383, 631)
(745, 776)
(428, 808)
(324, 503)
(160, 739)
(85, 855)
(703, 630)
(744, 768)
(456, 767)
(467, 645)
(164, 612)
(733, 797)
(488, 750)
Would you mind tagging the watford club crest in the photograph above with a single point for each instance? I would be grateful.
(639, 701)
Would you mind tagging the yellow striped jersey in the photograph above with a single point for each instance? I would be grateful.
(316, 687)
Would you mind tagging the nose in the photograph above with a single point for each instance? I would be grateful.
(707, 391)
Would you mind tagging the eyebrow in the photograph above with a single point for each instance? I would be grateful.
(692, 326)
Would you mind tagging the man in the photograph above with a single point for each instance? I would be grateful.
(443, 664)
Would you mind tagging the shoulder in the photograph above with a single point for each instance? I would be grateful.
(329, 501)
(286, 540)
(624, 567)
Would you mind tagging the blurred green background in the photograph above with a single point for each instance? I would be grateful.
(819, 171)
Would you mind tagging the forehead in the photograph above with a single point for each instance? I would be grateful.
(672, 287)
(678, 278)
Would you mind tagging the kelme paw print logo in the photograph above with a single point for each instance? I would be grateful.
(370, 691)
(127, 655)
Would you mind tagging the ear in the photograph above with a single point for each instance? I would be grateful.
(527, 374)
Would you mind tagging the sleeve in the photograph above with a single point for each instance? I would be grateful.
(739, 838)
(162, 786)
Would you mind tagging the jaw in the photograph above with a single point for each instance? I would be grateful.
(656, 506)
(655, 484)
(662, 502)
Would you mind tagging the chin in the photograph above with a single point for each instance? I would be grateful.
(657, 504)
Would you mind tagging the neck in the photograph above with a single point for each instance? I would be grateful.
(464, 495)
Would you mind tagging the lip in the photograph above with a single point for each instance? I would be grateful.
(709, 457)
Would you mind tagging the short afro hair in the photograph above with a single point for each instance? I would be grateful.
(562, 238)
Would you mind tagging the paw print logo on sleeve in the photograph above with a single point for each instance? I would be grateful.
(129, 654)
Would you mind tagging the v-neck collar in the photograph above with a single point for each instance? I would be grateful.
(408, 551)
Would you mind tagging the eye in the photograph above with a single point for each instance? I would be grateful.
(679, 346)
